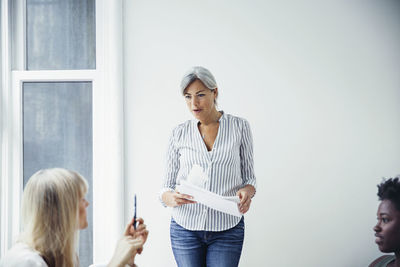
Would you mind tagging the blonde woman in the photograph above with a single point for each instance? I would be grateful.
(53, 212)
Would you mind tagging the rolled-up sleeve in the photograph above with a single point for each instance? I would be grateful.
(172, 166)
(246, 156)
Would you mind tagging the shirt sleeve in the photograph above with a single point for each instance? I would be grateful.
(172, 166)
(22, 258)
(31, 262)
(246, 156)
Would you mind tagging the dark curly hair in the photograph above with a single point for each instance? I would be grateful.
(390, 189)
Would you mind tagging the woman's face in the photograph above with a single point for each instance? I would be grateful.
(387, 230)
(200, 100)
(83, 203)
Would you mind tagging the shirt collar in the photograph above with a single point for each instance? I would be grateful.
(220, 119)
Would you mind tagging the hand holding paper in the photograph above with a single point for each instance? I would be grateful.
(193, 186)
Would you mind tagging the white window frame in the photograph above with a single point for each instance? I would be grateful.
(107, 92)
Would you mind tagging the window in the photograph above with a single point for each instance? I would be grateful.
(56, 111)
(57, 131)
(60, 34)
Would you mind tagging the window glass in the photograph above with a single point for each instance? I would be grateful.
(60, 34)
(57, 132)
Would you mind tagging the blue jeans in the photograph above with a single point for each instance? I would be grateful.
(206, 248)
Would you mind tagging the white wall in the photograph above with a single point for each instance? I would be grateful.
(319, 83)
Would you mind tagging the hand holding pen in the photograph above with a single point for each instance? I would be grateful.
(138, 228)
(134, 214)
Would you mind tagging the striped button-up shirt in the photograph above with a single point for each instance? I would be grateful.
(229, 167)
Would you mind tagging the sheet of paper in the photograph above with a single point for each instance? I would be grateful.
(196, 176)
(224, 204)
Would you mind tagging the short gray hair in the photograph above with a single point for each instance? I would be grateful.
(198, 73)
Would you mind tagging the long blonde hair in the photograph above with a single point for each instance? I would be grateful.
(50, 208)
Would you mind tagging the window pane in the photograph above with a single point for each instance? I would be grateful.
(57, 123)
(60, 34)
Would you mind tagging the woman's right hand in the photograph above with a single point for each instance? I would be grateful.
(174, 198)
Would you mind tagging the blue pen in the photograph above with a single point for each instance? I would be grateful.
(134, 214)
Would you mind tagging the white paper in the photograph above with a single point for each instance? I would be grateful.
(191, 186)
(196, 176)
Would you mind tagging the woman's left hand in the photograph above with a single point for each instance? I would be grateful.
(140, 231)
(245, 194)
(125, 251)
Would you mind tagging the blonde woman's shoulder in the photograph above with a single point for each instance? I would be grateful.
(22, 255)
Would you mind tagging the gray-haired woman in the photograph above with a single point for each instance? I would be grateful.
(222, 145)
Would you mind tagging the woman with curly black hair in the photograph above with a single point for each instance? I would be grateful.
(387, 230)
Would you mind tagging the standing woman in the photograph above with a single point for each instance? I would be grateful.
(222, 145)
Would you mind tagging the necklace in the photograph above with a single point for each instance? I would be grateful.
(203, 135)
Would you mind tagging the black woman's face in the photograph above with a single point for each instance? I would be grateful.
(387, 230)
